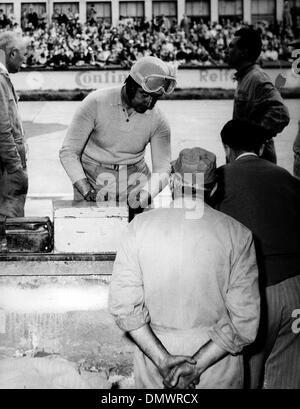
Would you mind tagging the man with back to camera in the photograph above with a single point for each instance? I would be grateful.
(13, 175)
(256, 98)
(104, 149)
(185, 283)
(266, 199)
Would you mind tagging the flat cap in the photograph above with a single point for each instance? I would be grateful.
(194, 161)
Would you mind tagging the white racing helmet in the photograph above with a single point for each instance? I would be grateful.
(154, 75)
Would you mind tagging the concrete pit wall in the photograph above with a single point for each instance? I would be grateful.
(60, 307)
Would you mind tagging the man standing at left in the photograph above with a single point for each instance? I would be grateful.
(13, 175)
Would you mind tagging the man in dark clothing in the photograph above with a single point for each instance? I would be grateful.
(3, 19)
(266, 199)
(62, 18)
(33, 18)
(256, 98)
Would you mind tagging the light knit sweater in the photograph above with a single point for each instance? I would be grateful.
(102, 132)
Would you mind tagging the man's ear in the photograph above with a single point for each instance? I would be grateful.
(3, 57)
(261, 150)
(213, 189)
(227, 150)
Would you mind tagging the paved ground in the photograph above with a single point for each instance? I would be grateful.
(193, 123)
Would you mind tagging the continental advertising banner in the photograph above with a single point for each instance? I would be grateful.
(96, 79)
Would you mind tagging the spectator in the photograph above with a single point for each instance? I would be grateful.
(91, 14)
(32, 18)
(62, 18)
(43, 21)
(13, 174)
(203, 44)
(287, 17)
(3, 19)
(11, 17)
(185, 24)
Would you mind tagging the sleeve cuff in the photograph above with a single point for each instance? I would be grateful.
(83, 186)
(132, 322)
(226, 338)
(13, 169)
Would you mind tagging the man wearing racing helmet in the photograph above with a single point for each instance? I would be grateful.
(103, 152)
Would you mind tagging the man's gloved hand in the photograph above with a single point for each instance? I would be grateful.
(87, 191)
(144, 198)
(18, 182)
(91, 196)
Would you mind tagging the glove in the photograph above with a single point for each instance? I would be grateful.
(18, 182)
(91, 196)
(85, 188)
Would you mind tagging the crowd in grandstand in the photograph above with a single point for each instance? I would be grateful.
(65, 41)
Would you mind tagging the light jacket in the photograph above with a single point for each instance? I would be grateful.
(12, 143)
(191, 279)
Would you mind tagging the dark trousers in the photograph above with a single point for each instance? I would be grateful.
(13, 190)
(273, 360)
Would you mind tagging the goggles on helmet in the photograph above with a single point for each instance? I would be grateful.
(157, 83)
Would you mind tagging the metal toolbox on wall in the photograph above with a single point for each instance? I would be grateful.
(86, 227)
(26, 235)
